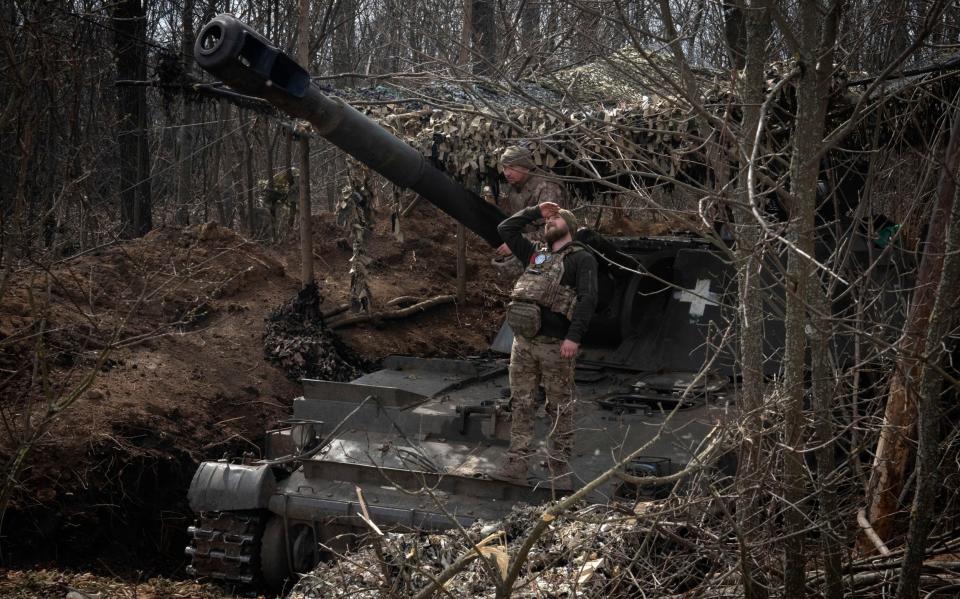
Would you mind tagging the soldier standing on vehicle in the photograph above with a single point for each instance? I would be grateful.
(550, 309)
(528, 185)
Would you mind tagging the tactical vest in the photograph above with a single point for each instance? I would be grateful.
(539, 287)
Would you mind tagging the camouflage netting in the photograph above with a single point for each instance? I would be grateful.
(297, 340)
(621, 117)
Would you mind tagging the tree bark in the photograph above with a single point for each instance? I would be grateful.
(247, 131)
(529, 25)
(943, 318)
(900, 415)
(306, 222)
(484, 31)
(345, 40)
(185, 133)
(813, 87)
(736, 32)
(823, 387)
(129, 24)
(751, 315)
(466, 33)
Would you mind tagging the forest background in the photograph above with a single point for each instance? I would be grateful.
(111, 132)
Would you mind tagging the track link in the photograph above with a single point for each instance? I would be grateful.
(226, 546)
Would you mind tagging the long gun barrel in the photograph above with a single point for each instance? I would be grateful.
(238, 55)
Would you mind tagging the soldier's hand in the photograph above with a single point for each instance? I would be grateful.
(548, 209)
(503, 250)
(569, 349)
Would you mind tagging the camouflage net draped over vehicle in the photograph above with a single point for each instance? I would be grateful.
(298, 341)
(635, 120)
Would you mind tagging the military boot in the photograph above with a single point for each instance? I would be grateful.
(513, 471)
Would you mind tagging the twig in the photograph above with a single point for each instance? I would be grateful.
(870, 533)
(377, 542)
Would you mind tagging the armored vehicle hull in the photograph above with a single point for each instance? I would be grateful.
(419, 446)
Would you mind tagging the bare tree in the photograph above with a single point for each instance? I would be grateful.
(134, 154)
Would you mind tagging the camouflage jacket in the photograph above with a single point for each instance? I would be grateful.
(534, 191)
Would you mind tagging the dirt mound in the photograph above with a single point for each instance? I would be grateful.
(182, 312)
(186, 379)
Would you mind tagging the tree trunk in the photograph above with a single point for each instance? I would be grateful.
(751, 456)
(893, 449)
(466, 33)
(823, 387)
(529, 25)
(943, 318)
(247, 130)
(270, 191)
(306, 223)
(129, 24)
(484, 31)
(813, 86)
(218, 189)
(736, 33)
(185, 133)
(345, 40)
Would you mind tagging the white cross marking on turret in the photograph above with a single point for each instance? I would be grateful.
(700, 297)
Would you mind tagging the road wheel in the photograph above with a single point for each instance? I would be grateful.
(300, 544)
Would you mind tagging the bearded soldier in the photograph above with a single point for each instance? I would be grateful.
(550, 309)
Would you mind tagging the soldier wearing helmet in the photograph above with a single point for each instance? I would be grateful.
(528, 185)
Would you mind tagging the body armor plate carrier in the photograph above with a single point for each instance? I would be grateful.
(539, 287)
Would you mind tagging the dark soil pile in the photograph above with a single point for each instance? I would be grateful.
(298, 342)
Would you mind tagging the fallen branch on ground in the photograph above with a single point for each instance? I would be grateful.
(393, 314)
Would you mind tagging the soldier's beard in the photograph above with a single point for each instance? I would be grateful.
(555, 233)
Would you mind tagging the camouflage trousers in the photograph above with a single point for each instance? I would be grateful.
(533, 361)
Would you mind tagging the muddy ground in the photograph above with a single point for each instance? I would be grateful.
(104, 490)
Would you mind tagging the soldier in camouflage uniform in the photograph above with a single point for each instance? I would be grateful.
(528, 185)
(550, 309)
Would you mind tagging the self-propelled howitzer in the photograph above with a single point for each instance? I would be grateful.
(444, 424)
